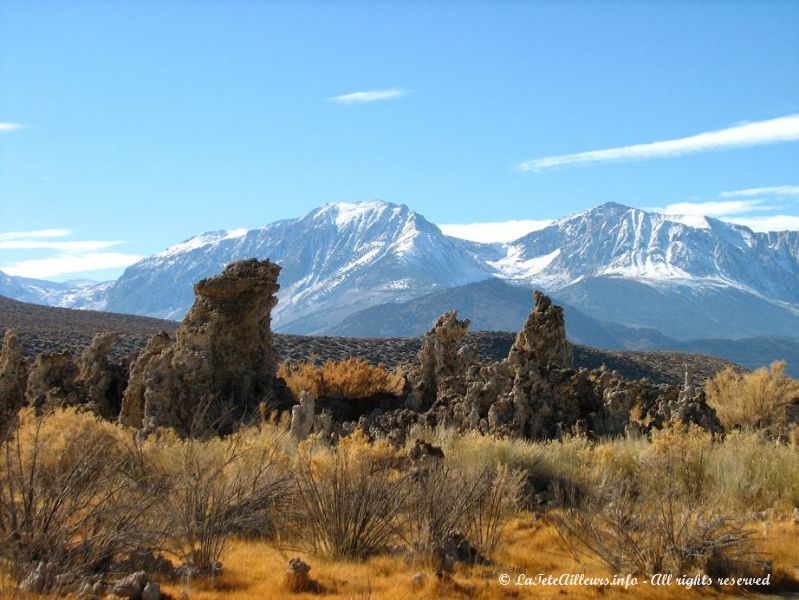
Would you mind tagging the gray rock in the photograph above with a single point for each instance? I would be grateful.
(151, 591)
(132, 585)
(302, 416)
(40, 579)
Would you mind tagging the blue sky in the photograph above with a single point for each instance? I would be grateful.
(128, 126)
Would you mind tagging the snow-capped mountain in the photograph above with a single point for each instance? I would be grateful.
(688, 277)
(612, 240)
(84, 294)
(336, 260)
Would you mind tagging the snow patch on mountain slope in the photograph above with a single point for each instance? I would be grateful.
(204, 239)
(515, 266)
(344, 257)
(696, 221)
(346, 212)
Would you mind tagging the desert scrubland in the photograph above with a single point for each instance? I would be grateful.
(208, 468)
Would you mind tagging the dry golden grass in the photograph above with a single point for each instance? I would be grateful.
(255, 571)
(755, 400)
(349, 378)
(745, 473)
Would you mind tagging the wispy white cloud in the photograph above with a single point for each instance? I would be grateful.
(745, 207)
(768, 222)
(504, 231)
(782, 129)
(68, 246)
(70, 256)
(777, 190)
(36, 234)
(43, 268)
(5, 126)
(712, 208)
(368, 96)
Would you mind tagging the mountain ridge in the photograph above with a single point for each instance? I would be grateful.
(495, 305)
(701, 277)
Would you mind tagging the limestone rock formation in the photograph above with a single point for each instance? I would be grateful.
(691, 407)
(12, 379)
(222, 363)
(100, 381)
(133, 586)
(132, 411)
(51, 381)
(443, 361)
(525, 395)
(542, 340)
(535, 392)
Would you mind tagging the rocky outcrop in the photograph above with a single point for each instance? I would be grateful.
(443, 362)
(93, 382)
(51, 381)
(686, 406)
(132, 410)
(525, 395)
(222, 363)
(137, 586)
(535, 392)
(100, 381)
(13, 379)
(542, 340)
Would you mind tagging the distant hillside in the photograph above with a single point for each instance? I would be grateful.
(46, 329)
(49, 329)
(750, 352)
(491, 305)
(495, 305)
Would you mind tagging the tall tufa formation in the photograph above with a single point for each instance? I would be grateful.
(443, 361)
(222, 363)
(100, 381)
(51, 381)
(132, 411)
(537, 405)
(535, 392)
(542, 340)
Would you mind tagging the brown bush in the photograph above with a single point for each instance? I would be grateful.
(756, 400)
(349, 378)
(349, 506)
(444, 499)
(658, 516)
(213, 489)
(66, 498)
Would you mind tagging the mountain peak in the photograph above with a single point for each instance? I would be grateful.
(613, 206)
(613, 211)
(204, 239)
(343, 213)
(605, 210)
